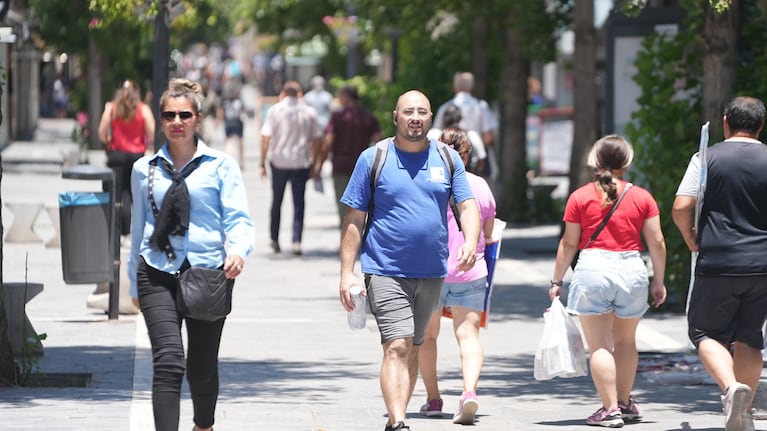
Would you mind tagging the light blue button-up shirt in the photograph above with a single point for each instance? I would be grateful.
(219, 221)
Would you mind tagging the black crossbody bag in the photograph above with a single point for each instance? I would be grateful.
(601, 225)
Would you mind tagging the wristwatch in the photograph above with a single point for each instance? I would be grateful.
(557, 283)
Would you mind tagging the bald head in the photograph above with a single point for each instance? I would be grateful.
(412, 98)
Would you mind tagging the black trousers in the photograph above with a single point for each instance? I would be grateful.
(157, 296)
(280, 179)
(122, 165)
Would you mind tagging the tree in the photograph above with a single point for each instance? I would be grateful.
(584, 92)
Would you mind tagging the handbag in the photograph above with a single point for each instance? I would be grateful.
(601, 225)
(204, 294)
(560, 351)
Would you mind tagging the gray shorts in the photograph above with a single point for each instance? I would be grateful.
(402, 306)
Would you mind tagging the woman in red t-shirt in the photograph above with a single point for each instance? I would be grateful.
(609, 287)
(127, 129)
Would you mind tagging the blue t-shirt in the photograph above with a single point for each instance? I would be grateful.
(408, 228)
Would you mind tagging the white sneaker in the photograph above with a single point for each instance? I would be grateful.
(735, 404)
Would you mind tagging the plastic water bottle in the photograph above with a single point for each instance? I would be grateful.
(357, 316)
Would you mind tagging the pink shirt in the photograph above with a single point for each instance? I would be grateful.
(486, 203)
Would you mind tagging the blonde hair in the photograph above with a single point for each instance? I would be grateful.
(610, 157)
(186, 88)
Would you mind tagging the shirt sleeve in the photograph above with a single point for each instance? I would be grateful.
(266, 128)
(572, 214)
(489, 122)
(239, 228)
(691, 179)
(138, 220)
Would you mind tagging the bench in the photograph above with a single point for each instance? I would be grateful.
(19, 325)
(25, 214)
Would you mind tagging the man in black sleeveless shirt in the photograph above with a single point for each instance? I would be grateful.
(728, 301)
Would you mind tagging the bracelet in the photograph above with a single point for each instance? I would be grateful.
(557, 283)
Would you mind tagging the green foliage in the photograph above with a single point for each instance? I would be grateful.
(665, 133)
(28, 357)
(29, 360)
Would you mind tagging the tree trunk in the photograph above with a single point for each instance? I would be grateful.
(479, 58)
(7, 363)
(513, 152)
(719, 62)
(584, 93)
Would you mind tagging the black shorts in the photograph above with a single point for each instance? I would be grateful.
(233, 128)
(728, 309)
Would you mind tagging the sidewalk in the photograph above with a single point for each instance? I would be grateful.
(288, 359)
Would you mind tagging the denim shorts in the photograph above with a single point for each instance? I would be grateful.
(469, 294)
(606, 281)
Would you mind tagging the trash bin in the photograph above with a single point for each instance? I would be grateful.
(86, 255)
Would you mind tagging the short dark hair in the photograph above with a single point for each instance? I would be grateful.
(745, 114)
(452, 115)
(349, 91)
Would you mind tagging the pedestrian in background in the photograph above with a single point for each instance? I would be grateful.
(403, 248)
(609, 287)
(349, 132)
(464, 293)
(319, 99)
(291, 136)
(127, 130)
(476, 116)
(728, 300)
(232, 112)
(202, 220)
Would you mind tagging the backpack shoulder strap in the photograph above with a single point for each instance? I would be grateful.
(447, 158)
(382, 148)
(379, 158)
(444, 153)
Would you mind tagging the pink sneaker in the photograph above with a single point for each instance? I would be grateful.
(603, 418)
(432, 408)
(631, 411)
(467, 409)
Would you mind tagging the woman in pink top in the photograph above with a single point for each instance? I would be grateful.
(609, 287)
(127, 129)
(464, 294)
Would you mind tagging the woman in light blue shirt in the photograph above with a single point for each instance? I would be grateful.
(189, 209)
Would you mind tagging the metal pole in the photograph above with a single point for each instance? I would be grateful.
(160, 68)
(114, 240)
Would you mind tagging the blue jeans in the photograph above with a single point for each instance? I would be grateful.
(280, 178)
(157, 296)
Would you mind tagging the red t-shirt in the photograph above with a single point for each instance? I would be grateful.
(623, 232)
(129, 136)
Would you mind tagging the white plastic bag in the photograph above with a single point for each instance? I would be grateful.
(560, 352)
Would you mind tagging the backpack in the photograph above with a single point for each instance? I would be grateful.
(382, 149)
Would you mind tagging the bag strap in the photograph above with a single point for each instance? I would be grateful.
(609, 214)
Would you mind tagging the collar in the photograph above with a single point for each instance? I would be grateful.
(743, 139)
(202, 150)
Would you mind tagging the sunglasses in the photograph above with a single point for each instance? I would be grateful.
(171, 115)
